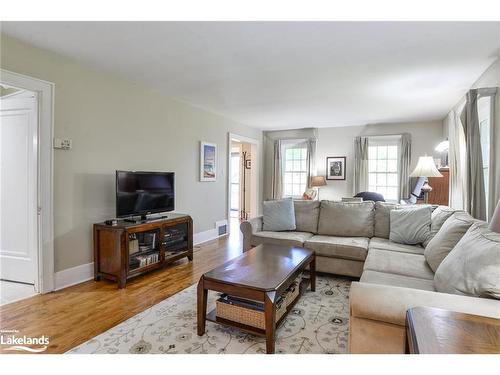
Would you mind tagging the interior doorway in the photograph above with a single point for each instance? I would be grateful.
(242, 179)
(18, 193)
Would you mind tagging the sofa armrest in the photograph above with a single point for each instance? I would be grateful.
(389, 304)
(248, 228)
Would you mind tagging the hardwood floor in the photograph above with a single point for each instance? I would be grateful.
(74, 315)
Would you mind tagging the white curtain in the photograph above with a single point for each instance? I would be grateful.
(360, 164)
(456, 137)
(311, 160)
(404, 165)
(277, 185)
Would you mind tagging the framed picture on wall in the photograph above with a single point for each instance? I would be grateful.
(335, 168)
(208, 161)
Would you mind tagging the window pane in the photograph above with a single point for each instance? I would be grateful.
(296, 178)
(392, 179)
(296, 191)
(296, 153)
(392, 193)
(288, 190)
(372, 165)
(289, 153)
(289, 166)
(372, 153)
(296, 165)
(382, 190)
(392, 165)
(381, 165)
(372, 188)
(372, 179)
(381, 179)
(392, 152)
(303, 153)
(382, 152)
(303, 166)
(288, 178)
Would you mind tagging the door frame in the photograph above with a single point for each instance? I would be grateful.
(44, 283)
(255, 205)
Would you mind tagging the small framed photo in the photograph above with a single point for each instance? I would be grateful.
(335, 168)
(208, 161)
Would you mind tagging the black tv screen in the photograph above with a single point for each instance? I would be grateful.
(142, 193)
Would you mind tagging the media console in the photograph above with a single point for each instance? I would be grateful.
(129, 249)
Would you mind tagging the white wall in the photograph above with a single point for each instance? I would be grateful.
(115, 124)
(340, 142)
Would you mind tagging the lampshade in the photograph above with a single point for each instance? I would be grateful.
(426, 168)
(443, 146)
(495, 220)
(318, 181)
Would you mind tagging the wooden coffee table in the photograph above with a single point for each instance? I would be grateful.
(261, 274)
(437, 331)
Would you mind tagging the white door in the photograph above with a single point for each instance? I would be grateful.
(18, 189)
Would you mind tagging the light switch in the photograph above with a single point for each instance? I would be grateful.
(62, 144)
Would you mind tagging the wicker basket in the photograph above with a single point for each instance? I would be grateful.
(255, 317)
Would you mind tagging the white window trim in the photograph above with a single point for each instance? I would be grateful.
(388, 140)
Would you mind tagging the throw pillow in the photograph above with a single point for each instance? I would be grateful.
(278, 215)
(473, 266)
(438, 217)
(346, 219)
(383, 218)
(306, 216)
(448, 236)
(411, 225)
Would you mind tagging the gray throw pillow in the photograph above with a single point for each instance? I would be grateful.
(438, 217)
(383, 218)
(278, 215)
(410, 225)
(306, 215)
(448, 236)
(472, 268)
(346, 219)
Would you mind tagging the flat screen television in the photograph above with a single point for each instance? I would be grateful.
(143, 193)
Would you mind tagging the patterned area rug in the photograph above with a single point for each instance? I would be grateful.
(317, 324)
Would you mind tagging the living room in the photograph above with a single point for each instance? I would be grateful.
(249, 187)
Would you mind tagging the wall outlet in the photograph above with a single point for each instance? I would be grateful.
(62, 144)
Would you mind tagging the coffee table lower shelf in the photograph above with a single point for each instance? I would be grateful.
(212, 315)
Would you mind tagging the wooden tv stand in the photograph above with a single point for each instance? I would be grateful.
(129, 249)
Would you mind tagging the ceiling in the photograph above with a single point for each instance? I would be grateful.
(280, 75)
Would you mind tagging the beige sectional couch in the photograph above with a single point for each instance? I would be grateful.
(352, 239)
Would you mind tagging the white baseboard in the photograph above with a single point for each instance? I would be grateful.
(85, 272)
(205, 236)
(73, 276)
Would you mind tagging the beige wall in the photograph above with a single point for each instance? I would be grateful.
(339, 141)
(115, 124)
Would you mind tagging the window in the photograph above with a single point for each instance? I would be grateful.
(484, 109)
(383, 167)
(294, 169)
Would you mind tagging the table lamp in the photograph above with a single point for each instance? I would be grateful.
(495, 219)
(317, 181)
(426, 168)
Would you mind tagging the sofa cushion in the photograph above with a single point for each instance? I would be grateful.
(354, 248)
(439, 215)
(280, 238)
(473, 267)
(278, 215)
(346, 219)
(448, 236)
(411, 225)
(413, 265)
(306, 216)
(385, 244)
(383, 218)
(382, 278)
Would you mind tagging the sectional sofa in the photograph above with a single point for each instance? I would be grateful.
(352, 239)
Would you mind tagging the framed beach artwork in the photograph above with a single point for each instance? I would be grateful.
(335, 168)
(208, 161)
